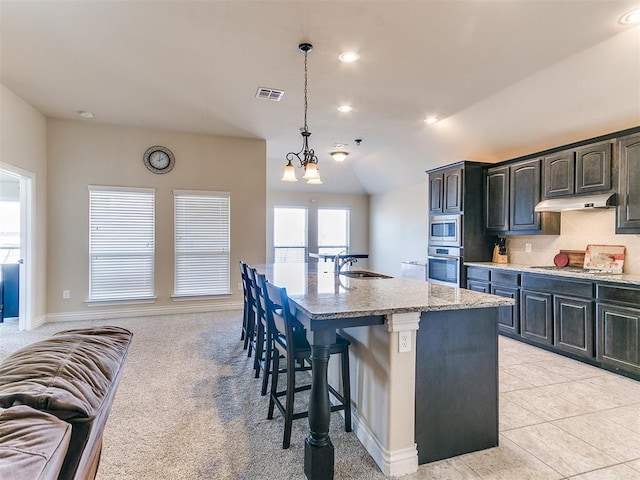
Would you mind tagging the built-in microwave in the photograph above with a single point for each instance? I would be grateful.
(445, 230)
(443, 265)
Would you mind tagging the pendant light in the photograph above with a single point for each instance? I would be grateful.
(306, 156)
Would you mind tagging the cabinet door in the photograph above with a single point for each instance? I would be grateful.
(628, 212)
(559, 174)
(618, 339)
(573, 325)
(593, 169)
(536, 316)
(508, 317)
(436, 192)
(453, 185)
(524, 194)
(478, 286)
(497, 200)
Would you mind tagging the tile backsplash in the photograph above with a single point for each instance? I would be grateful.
(577, 229)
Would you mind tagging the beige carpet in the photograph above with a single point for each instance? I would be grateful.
(188, 407)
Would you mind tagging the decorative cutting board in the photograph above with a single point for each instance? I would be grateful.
(604, 258)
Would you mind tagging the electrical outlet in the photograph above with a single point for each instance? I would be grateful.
(66, 294)
(404, 342)
(527, 247)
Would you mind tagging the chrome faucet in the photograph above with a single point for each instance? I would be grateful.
(338, 262)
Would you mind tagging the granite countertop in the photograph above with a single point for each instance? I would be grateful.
(320, 294)
(625, 278)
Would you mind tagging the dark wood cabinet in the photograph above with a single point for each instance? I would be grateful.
(436, 191)
(445, 191)
(478, 286)
(508, 317)
(511, 193)
(573, 325)
(593, 168)
(496, 197)
(619, 337)
(559, 174)
(618, 327)
(524, 195)
(628, 211)
(578, 172)
(536, 316)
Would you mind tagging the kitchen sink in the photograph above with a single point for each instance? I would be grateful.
(363, 274)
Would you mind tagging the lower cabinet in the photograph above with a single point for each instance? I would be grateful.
(618, 326)
(573, 325)
(478, 286)
(619, 337)
(503, 284)
(536, 316)
(595, 320)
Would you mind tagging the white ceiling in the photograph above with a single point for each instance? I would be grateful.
(508, 77)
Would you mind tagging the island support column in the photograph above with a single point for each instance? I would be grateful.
(401, 456)
(318, 449)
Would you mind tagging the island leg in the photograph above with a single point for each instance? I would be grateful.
(318, 449)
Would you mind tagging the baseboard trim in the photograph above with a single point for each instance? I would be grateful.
(38, 322)
(140, 312)
(394, 463)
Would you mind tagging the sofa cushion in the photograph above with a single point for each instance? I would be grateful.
(33, 444)
(68, 375)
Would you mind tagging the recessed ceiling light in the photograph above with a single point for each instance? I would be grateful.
(632, 17)
(85, 114)
(349, 57)
(431, 120)
(345, 108)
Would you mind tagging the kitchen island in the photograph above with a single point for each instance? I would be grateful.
(423, 362)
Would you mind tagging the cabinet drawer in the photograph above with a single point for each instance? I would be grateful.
(608, 293)
(478, 273)
(555, 285)
(505, 278)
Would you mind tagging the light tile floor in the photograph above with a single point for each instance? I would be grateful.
(559, 419)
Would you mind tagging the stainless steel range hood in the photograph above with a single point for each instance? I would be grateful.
(583, 202)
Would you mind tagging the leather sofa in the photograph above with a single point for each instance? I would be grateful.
(55, 398)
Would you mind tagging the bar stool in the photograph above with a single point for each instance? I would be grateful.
(292, 344)
(258, 315)
(246, 308)
(248, 320)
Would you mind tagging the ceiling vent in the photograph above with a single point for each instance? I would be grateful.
(269, 94)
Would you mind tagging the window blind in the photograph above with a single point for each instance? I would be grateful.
(202, 243)
(121, 243)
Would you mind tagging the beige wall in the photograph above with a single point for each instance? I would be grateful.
(359, 217)
(398, 230)
(578, 229)
(85, 153)
(23, 144)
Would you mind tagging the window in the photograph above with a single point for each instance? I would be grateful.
(333, 230)
(290, 234)
(202, 243)
(121, 243)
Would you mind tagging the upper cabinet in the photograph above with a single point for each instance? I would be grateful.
(497, 200)
(445, 191)
(579, 171)
(511, 194)
(628, 212)
(524, 195)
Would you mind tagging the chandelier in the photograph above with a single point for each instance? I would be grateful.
(306, 156)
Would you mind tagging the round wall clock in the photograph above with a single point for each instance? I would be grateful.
(159, 159)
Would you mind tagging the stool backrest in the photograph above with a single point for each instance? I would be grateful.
(261, 281)
(279, 311)
(256, 293)
(243, 275)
